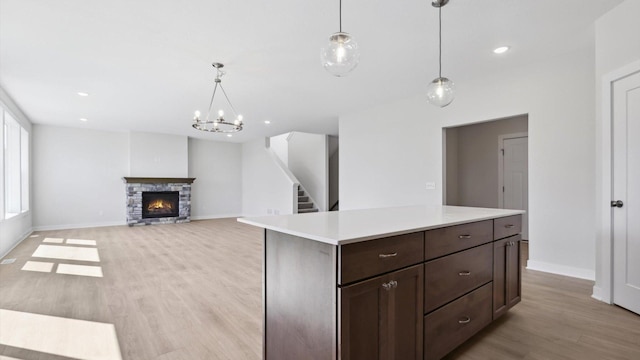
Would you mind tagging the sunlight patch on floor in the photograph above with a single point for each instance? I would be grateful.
(81, 242)
(53, 240)
(67, 253)
(81, 270)
(59, 336)
(38, 266)
(2, 357)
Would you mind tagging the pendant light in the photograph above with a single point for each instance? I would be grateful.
(341, 55)
(441, 90)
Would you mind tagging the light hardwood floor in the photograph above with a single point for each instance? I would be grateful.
(193, 291)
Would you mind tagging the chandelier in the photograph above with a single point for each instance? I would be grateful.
(341, 55)
(218, 124)
(440, 91)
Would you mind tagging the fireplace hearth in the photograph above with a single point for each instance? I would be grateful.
(158, 200)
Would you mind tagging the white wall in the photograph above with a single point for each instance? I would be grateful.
(478, 158)
(266, 189)
(280, 146)
(308, 161)
(78, 177)
(616, 45)
(217, 190)
(383, 165)
(158, 155)
(15, 229)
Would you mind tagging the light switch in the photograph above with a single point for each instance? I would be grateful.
(431, 185)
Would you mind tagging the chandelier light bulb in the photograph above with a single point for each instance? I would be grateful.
(240, 118)
(341, 55)
(197, 114)
(441, 92)
(220, 113)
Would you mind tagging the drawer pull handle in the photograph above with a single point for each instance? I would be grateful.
(384, 256)
(509, 226)
(466, 320)
(464, 273)
(466, 236)
(390, 285)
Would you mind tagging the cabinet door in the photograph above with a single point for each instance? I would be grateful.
(381, 318)
(506, 274)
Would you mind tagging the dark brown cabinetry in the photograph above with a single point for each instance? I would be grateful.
(506, 274)
(381, 318)
(454, 323)
(411, 296)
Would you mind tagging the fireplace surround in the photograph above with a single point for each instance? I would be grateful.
(158, 200)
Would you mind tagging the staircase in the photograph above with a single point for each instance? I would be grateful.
(305, 205)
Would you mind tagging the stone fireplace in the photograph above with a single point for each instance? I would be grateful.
(158, 200)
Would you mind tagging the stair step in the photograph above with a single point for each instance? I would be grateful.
(303, 199)
(307, 210)
(300, 192)
(305, 205)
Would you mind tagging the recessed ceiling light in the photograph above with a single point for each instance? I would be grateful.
(229, 135)
(267, 122)
(83, 93)
(83, 119)
(501, 49)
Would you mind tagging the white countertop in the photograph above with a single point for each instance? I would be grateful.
(344, 227)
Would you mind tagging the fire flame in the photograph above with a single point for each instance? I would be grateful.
(159, 205)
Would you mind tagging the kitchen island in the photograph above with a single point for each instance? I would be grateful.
(391, 283)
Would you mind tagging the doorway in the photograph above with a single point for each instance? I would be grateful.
(474, 173)
(618, 233)
(513, 175)
(626, 194)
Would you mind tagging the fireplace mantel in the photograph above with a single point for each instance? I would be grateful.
(151, 180)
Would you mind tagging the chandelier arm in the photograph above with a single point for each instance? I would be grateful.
(440, 42)
(212, 96)
(229, 101)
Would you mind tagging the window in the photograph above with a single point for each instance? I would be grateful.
(16, 166)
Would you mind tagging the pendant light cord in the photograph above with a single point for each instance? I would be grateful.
(340, 15)
(439, 42)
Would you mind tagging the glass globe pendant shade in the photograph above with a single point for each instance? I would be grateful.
(441, 92)
(341, 55)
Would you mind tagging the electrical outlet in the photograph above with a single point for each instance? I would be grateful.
(431, 185)
(276, 212)
(269, 211)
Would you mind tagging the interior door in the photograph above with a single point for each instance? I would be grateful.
(516, 178)
(626, 189)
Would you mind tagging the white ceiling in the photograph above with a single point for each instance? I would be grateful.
(147, 63)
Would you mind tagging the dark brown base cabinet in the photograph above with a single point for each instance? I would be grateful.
(381, 318)
(413, 296)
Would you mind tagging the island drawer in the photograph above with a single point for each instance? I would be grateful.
(451, 276)
(507, 226)
(453, 324)
(444, 241)
(369, 258)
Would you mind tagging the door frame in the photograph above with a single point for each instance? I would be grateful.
(604, 290)
(501, 139)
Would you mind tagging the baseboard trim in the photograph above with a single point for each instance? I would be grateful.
(562, 270)
(597, 293)
(79, 226)
(211, 217)
(22, 238)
